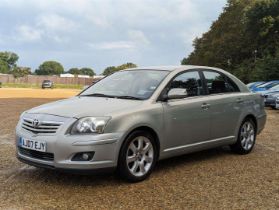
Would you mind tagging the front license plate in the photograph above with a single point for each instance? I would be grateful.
(33, 144)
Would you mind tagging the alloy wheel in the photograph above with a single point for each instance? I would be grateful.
(247, 135)
(140, 156)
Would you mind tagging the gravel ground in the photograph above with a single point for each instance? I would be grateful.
(213, 179)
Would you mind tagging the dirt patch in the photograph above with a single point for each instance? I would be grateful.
(37, 93)
(213, 179)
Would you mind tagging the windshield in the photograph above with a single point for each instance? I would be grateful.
(265, 84)
(129, 84)
(268, 85)
(275, 87)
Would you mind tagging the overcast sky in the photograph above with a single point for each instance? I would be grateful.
(101, 33)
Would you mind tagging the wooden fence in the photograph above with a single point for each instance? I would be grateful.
(36, 79)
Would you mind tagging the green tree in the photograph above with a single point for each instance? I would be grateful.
(87, 71)
(50, 68)
(263, 26)
(4, 67)
(74, 71)
(7, 61)
(20, 71)
(267, 68)
(242, 40)
(111, 69)
(82, 71)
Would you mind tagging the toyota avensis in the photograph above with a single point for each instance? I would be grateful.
(133, 118)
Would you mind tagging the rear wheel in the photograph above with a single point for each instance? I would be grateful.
(246, 137)
(138, 156)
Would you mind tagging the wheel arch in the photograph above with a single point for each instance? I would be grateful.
(253, 118)
(147, 129)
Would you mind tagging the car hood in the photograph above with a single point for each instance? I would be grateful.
(85, 106)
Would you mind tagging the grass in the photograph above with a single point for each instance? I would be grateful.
(26, 85)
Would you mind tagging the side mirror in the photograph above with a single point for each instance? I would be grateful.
(177, 93)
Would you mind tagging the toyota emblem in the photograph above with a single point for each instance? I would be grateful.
(36, 123)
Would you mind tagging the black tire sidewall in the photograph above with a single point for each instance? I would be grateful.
(122, 167)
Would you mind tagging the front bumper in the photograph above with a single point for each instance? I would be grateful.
(46, 85)
(270, 102)
(63, 147)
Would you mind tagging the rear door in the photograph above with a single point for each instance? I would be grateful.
(226, 103)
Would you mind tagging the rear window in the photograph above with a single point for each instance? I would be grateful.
(218, 83)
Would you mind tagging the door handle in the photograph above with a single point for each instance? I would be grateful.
(239, 100)
(205, 106)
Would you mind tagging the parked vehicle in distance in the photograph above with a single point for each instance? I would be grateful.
(131, 119)
(277, 102)
(270, 100)
(252, 85)
(272, 90)
(47, 84)
(265, 86)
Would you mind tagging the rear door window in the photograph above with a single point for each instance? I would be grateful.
(218, 83)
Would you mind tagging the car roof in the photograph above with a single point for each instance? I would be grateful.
(172, 68)
(181, 68)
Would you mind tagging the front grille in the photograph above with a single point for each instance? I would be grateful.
(36, 154)
(41, 127)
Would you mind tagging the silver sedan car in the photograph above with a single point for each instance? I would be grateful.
(133, 118)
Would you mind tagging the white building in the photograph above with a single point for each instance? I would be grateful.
(67, 75)
(83, 76)
(98, 76)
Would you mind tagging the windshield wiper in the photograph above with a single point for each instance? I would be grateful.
(111, 96)
(99, 95)
(129, 97)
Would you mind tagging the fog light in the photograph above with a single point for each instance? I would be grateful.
(83, 156)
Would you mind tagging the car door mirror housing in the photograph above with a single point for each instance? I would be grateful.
(177, 93)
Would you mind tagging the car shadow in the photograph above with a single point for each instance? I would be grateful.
(62, 178)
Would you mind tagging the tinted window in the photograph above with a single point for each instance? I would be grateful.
(218, 83)
(190, 81)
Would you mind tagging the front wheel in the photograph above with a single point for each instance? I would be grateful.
(246, 137)
(137, 157)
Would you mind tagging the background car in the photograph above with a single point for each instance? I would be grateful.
(277, 102)
(252, 85)
(265, 86)
(272, 90)
(270, 100)
(47, 84)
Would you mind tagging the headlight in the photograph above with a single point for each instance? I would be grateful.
(89, 125)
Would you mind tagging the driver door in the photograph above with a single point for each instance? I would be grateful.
(187, 120)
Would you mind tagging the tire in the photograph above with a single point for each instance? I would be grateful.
(273, 107)
(246, 137)
(138, 156)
